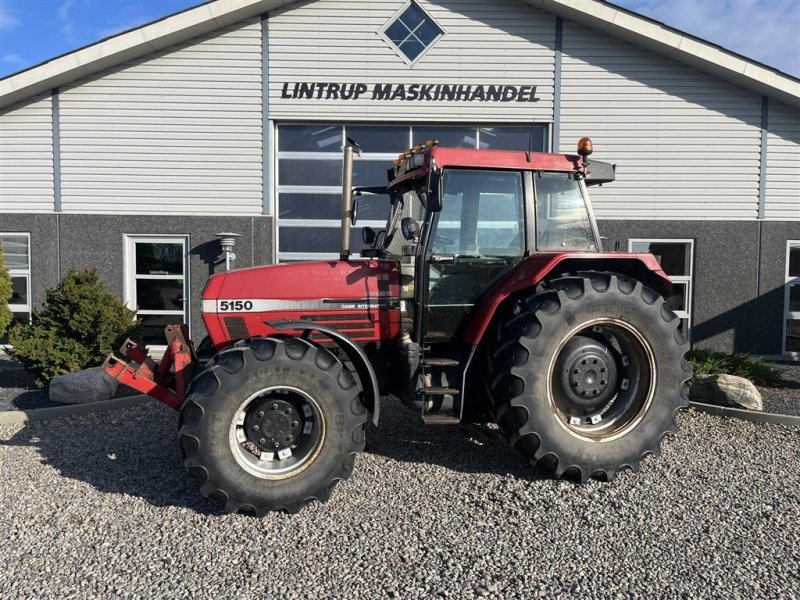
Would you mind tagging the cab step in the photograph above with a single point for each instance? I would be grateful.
(440, 362)
(440, 419)
(440, 391)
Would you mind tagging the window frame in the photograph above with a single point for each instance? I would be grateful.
(394, 18)
(16, 272)
(688, 280)
(788, 315)
(129, 284)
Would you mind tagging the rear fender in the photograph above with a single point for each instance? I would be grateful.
(539, 267)
(370, 397)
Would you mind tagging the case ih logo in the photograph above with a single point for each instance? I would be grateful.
(430, 92)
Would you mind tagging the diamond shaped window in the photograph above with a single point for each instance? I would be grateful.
(412, 32)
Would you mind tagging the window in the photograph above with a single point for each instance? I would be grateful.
(791, 316)
(477, 236)
(562, 219)
(309, 181)
(17, 258)
(482, 214)
(411, 32)
(156, 286)
(677, 259)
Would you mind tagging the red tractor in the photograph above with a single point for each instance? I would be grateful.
(486, 297)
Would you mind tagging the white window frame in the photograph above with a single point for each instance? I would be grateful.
(129, 260)
(28, 308)
(393, 46)
(684, 279)
(787, 314)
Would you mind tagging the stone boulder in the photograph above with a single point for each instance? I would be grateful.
(726, 390)
(89, 385)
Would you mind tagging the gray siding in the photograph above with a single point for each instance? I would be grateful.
(26, 158)
(502, 42)
(783, 164)
(686, 144)
(177, 133)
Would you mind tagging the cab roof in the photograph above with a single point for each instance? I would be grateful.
(485, 159)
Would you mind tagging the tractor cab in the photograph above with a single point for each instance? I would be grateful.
(462, 219)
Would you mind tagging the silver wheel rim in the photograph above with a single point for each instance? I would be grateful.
(625, 410)
(283, 462)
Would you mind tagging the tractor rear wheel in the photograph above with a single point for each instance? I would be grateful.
(586, 377)
(271, 424)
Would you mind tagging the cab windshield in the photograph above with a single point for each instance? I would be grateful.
(562, 214)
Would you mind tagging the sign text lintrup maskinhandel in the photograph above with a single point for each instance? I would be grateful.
(434, 92)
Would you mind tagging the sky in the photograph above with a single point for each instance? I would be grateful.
(32, 31)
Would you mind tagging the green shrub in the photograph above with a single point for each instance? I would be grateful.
(78, 325)
(742, 365)
(5, 295)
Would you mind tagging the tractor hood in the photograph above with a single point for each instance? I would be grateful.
(356, 297)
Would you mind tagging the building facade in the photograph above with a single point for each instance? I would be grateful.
(131, 154)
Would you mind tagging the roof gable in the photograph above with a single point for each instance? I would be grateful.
(214, 15)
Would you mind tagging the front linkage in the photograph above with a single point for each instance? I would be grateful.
(167, 380)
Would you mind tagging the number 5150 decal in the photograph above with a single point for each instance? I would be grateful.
(235, 305)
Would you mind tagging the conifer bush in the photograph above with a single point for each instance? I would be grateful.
(78, 325)
(5, 295)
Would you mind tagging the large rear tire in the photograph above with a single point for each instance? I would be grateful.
(271, 424)
(586, 376)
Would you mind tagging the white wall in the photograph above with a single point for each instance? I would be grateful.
(26, 158)
(783, 163)
(499, 42)
(178, 133)
(686, 144)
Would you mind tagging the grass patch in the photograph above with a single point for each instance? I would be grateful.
(742, 365)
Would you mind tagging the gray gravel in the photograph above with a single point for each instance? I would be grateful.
(17, 390)
(99, 506)
(783, 398)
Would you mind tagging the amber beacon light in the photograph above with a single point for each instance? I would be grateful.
(585, 147)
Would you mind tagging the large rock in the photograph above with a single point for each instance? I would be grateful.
(89, 385)
(726, 390)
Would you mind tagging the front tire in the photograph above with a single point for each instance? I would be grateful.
(586, 377)
(271, 424)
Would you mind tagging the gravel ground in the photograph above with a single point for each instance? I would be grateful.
(99, 506)
(784, 398)
(17, 390)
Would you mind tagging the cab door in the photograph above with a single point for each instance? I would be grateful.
(477, 236)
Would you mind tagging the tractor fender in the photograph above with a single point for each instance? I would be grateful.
(538, 267)
(370, 398)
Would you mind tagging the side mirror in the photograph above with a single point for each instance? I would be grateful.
(368, 236)
(410, 228)
(433, 201)
(354, 213)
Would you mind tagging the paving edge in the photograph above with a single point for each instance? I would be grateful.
(10, 417)
(746, 415)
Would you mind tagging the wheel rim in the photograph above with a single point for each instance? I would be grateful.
(601, 379)
(277, 432)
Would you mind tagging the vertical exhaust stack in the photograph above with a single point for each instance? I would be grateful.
(347, 195)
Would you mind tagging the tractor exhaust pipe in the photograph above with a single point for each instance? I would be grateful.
(347, 201)
(350, 147)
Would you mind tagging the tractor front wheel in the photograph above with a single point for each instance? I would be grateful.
(271, 424)
(586, 377)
